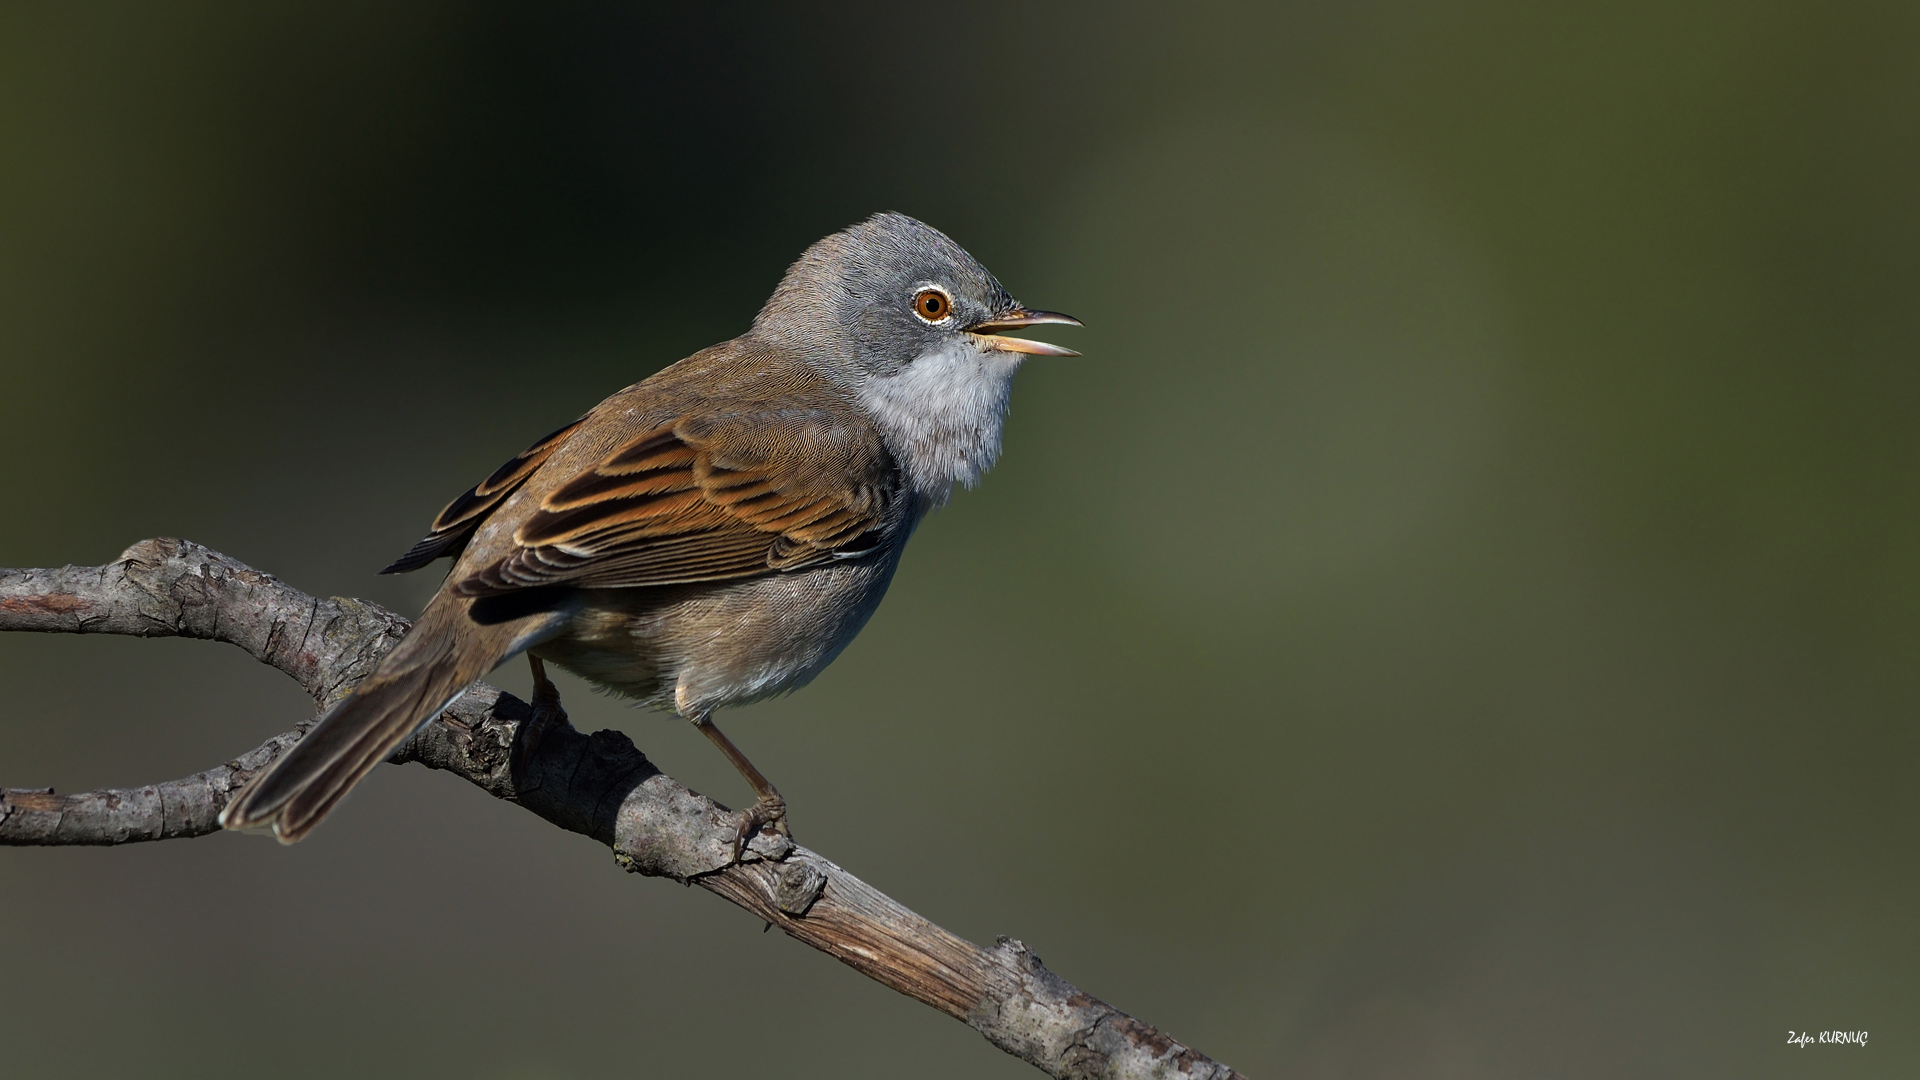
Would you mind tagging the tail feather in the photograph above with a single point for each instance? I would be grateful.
(443, 655)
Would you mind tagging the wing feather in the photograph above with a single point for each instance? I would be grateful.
(705, 499)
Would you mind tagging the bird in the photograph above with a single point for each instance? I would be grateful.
(712, 535)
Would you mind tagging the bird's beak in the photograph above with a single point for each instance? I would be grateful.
(1014, 320)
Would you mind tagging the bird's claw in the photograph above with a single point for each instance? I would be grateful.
(768, 813)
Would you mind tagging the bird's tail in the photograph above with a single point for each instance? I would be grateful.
(440, 657)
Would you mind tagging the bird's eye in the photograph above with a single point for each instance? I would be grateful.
(932, 305)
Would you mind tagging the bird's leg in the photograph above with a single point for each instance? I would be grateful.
(771, 809)
(546, 709)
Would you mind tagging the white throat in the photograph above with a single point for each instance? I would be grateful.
(942, 415)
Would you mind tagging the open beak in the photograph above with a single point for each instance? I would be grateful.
(1014, 320)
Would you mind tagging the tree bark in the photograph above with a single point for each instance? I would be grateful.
(599, 785)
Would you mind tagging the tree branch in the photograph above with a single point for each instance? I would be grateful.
(599, 785)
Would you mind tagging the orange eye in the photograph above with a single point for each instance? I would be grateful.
(931, 305)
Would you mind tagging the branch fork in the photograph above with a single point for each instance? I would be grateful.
(599, 785)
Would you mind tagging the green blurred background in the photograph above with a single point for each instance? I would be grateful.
(1458, 621)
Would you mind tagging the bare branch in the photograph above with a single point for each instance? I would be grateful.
(599, 785)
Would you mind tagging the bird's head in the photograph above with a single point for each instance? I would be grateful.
(892, 290)
(915, 324)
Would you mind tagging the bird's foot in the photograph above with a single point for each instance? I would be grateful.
(546, 709)
(766, 817)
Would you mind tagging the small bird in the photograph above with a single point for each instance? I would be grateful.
(713, 535)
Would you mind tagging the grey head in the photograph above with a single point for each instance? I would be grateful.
(913, 322)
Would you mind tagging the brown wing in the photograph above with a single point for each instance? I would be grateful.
(705, 499)
(455, 525)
